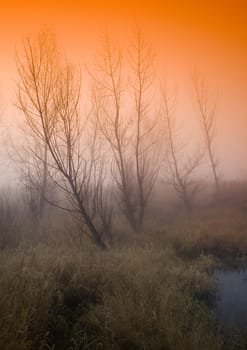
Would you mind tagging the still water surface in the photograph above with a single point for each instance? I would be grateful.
(231, 303)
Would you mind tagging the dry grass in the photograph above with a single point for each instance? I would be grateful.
(131, 298)
(147, 291)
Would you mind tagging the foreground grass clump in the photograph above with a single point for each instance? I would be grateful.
(129, 298)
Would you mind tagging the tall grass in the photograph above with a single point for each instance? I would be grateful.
(147, 291)
(131, 298)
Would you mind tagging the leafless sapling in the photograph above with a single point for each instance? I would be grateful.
(207, 114)
(181, 166)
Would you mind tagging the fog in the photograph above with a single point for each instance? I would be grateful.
(181, 43)
(123, 182)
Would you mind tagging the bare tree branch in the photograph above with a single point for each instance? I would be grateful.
(207, 114)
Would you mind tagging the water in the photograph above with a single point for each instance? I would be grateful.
(231, 303)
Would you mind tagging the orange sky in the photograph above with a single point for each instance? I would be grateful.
(183, 32)
(221, 22)
(209, 34)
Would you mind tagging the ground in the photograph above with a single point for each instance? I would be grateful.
(152, 290)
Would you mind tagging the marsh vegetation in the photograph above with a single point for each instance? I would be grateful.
(151, 290)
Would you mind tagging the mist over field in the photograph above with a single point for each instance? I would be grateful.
(123, 183)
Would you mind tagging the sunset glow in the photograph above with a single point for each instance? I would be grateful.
(209, 35)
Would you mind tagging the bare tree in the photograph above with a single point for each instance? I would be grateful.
(128, 132)
(181, 167)
(37, 78)
(49, 91)
(108, 101)
(207, 113)
(145, 123)
(32, 169)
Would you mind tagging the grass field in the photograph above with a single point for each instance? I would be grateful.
(152, 290)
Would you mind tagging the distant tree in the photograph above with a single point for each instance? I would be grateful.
(129, 132)
(32, 170)
(207, 114)
(49, 95)
(181, 167)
